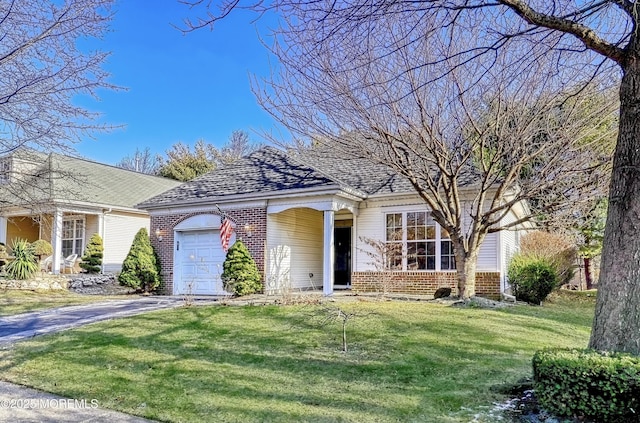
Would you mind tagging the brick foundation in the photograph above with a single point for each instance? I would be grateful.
(422, 283)
(256, 217)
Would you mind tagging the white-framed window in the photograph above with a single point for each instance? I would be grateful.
(5, 170)
(417, 242)
(73, 235)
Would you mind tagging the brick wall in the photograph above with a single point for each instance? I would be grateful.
(255, 217)
(423, 283)
(488, 285)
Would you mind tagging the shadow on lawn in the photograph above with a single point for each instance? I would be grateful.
(273, 363)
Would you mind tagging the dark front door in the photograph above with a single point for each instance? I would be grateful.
(342, 266)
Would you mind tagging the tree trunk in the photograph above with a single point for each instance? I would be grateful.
(588, 279)
(466, 273)
(616, 326)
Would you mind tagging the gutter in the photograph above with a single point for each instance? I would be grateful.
(221, 199)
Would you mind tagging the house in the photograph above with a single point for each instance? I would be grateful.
(306, 223)
(65, 200)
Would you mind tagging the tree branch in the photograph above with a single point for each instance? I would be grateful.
(585, 34)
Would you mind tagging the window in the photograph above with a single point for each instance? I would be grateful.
(72, 236)
(447, 258)
(394, 241)
(416, 242)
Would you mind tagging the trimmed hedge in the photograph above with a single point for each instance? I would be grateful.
(603, 387)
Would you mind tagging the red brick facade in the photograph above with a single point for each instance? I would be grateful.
(256, 218)
(423, 283)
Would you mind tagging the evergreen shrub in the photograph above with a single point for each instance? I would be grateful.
(141, 268)
(92, 258)
(532, 279)
(240, 274)
(587, 384)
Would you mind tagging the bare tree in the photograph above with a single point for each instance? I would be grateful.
(237, 146)
(472, 152)
(384, 255)
(583, 38)
(141, 161)
(43, 68)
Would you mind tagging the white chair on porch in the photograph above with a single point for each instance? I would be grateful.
(46, 264)
(69, 263)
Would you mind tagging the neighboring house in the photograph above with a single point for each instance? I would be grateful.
(65, 200)
(305, 221)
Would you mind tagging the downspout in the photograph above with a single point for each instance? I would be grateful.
(501, 262)
(103, 232)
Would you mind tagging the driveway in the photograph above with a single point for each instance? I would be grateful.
(21, 404)
(27, 325)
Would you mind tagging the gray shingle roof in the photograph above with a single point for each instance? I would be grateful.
(271, 171)
(54, 177)
(358, 173)
(267, 171)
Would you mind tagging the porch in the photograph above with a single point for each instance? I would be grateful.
(309, 247)
(65, 230)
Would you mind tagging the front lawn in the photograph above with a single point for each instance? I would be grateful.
(407, 361)
(14, 301)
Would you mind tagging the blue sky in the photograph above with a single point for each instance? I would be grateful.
(180, 87)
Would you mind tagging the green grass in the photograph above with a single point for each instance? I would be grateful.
(408, 361)
(13, 301)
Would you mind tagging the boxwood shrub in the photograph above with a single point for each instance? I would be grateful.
(532, 279)
(601, 387)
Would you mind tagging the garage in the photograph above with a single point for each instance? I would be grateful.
(198, 257)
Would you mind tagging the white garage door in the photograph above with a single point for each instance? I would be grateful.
(200, 260)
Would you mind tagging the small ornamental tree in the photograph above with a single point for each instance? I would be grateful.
(240, 274)
(92, 258)
(140, 269)
(41, 248)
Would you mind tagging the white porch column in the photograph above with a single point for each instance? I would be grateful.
(3, 230)
(328, 253)
(56, 241)
(101, 232)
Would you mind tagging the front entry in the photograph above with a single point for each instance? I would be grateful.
(342, 266)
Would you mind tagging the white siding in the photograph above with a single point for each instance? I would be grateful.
(294, 249)
(91, 227)
(119, 231)
(371, 224)
(488, 257)
(509, 243)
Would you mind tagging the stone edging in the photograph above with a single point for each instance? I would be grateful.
(80, 283)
